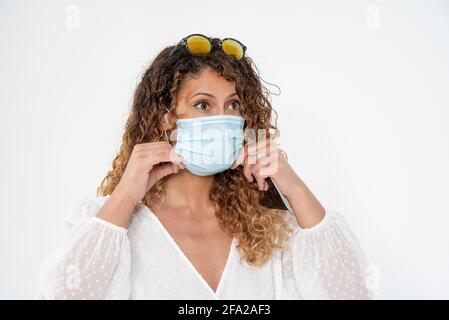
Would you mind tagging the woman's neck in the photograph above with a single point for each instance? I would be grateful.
(188, 192)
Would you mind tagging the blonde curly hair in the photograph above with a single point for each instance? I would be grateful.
(238, 203)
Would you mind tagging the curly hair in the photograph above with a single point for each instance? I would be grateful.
(238, 203)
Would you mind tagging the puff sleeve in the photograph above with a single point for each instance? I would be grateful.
(93, 262)
(325, 261)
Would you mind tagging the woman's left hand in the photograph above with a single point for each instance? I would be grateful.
(264, 159)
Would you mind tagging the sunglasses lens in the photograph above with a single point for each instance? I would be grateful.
(233, 48)
(199, 45)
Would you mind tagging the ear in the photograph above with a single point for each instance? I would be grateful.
(166, 121)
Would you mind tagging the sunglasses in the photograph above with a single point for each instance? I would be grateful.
(201, 45)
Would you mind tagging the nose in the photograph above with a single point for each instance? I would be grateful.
(222, 109)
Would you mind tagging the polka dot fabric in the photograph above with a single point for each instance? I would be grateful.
(100, 260)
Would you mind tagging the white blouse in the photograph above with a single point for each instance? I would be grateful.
(101, 260)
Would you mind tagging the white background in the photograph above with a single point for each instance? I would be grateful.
(363, 115)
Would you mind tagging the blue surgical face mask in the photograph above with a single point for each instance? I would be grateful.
(209, 144)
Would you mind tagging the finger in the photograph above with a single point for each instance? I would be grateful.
(151, 148)
(252, 151)
(267, 148)
(174, 157)
(162, 171)
(149, 145)
(266, 186)
(260, 182)
(259, 150)
(240, 158)
(164, 150)
(273, 147)
(254, 146)
(150, 151)
(161, 156)
(269, 164)
(265, 160)
(260, 178)
(247, 172)
(156, 149)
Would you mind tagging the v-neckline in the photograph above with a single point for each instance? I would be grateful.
(189, 263)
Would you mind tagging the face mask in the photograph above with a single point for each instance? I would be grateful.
(209, 144)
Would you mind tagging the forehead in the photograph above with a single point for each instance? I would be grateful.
(207, 81)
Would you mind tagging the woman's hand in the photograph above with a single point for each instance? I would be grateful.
(141, 173)
(264, 159)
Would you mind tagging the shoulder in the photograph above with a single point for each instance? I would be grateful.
(84, 209)
(332, 218)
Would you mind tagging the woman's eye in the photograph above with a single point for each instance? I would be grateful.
(235, 105)
(201, 105)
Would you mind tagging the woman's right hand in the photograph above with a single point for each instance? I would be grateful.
(141, 173)
(142, 170)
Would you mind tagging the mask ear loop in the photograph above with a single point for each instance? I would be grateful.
(165, 132)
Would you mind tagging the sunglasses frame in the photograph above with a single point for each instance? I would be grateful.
(183, 42)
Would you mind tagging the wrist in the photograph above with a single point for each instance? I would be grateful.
(295, 188)
(118, 209)
(124, 198)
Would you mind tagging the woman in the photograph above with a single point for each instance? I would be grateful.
(173, 220)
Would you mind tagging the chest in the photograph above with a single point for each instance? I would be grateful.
(203, 243)
(207, 266)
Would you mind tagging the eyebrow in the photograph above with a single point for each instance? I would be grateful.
(211, 95)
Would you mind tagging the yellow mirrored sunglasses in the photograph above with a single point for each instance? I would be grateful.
(201, 45)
